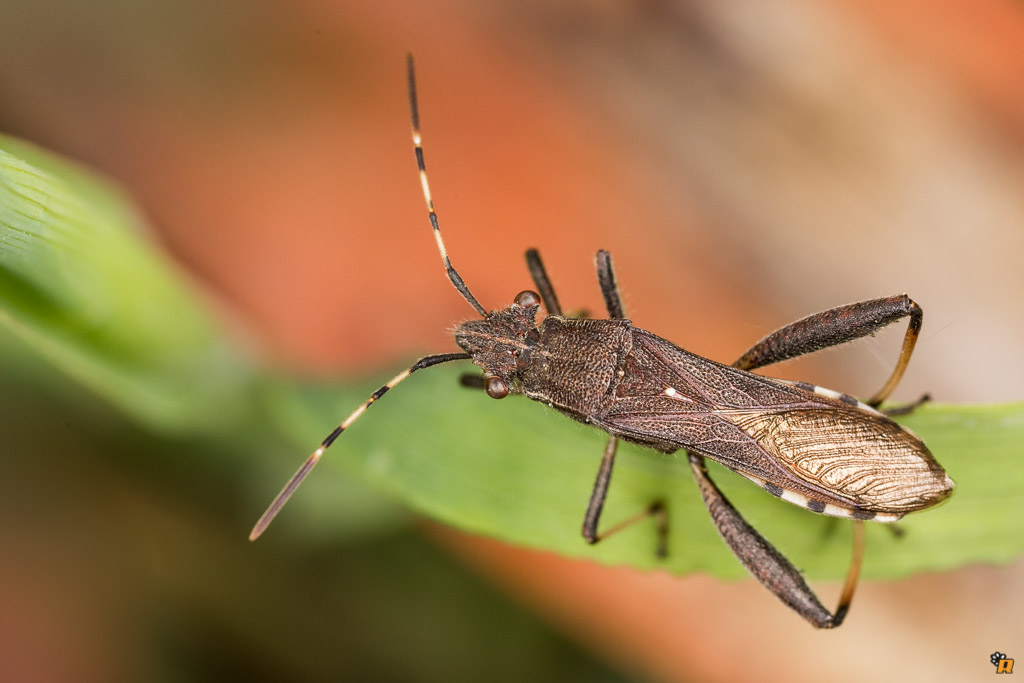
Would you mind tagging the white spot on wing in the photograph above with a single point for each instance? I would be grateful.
(672, 393)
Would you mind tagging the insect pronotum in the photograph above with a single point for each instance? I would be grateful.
(825, 451)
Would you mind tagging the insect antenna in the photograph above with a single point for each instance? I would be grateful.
(293, 483)
(417, 140)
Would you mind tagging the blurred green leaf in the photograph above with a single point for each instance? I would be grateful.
(84, 286)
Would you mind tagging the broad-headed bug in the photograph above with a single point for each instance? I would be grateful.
(816, 448)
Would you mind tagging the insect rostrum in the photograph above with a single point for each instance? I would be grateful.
(825, 451)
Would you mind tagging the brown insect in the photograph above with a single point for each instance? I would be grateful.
(816, 448)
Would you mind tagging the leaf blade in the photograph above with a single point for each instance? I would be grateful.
(82, 284)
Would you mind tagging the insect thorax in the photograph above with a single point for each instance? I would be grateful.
(576, 364)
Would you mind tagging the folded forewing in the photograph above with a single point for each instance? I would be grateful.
(860, 456)
(813, 445)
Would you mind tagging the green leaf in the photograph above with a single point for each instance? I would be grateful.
(82, 284)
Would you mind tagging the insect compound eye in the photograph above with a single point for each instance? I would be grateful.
(527, 298)
(495, 387)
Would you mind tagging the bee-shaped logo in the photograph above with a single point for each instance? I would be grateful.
(1003, 664)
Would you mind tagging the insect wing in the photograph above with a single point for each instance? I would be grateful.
(860, 456)
(811, 449)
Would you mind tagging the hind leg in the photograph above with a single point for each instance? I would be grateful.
(838, 326)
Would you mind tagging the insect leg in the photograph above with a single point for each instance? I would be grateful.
(600, 492)
(908, 408)
(609, 288)
(540, 278)
(471, 380)
(293, 483)
(767, 564)
(612, 300)
(417, 141)
(593, 515)
(546, 290)
(837, 326)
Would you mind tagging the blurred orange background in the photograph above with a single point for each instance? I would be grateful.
(746, 164)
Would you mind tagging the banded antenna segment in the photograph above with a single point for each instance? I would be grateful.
(417, 141)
